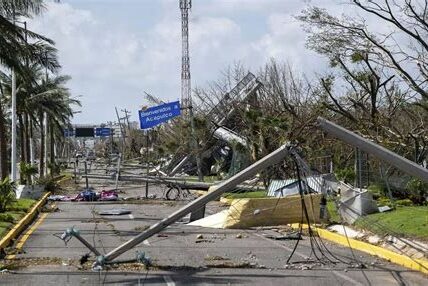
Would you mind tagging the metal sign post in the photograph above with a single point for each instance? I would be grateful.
(147, 162)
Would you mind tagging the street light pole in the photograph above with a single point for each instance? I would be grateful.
(45, 123)
(13, 131)
(13, 159)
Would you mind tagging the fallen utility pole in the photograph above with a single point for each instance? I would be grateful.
(181, 182)
(382, 153)
(269, 160)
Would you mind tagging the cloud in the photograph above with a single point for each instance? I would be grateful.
(111, 64)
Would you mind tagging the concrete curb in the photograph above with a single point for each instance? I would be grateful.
(23, 223)
(403, 260)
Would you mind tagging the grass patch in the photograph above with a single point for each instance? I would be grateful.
(333, 212)
(22, 205)
(17, 210)
(4, 228)
(253, 195)
(405, 221)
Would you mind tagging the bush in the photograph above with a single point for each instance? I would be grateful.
(347, 175)
(7, 218)
(26, 171)
(404, 203)
(378, 191)
(384, 201)
(50, 183)
(7, 193)
(418, 191)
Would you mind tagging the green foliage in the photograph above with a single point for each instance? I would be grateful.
(51, 183)
(54, 168)
(347, 175)
(26, 170)
(357, 57)
(21, 205)
(384, 201)
(377, 190)
(404, 203)
(7, 193)
(418, 191)
(7, 217)
(333, 212)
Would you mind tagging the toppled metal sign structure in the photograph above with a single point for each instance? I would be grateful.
(223, 130)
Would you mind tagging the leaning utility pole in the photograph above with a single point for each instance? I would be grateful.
(186, 90)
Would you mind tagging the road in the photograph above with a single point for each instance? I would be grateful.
(220, 257)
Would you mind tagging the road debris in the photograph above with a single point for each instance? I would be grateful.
(87, 195)
(289, 236)
(115, 212)
(199, 236)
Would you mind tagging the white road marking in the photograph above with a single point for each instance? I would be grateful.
(131, 216)
(146, 242)
(168, 280)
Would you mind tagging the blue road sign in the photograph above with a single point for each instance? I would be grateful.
(68, 133)
(102, 132)
(157, 114)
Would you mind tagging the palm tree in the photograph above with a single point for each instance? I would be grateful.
(41, 95)
(14, 44)
(18, 48)
(53, 98)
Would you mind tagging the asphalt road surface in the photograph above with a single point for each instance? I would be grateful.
(185, 255)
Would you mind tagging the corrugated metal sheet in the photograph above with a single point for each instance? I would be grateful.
(280, 188)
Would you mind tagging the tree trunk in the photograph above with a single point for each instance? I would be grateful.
(21, 144)
(52, 150)
(27, 138)
(42, 146)
(4, 168)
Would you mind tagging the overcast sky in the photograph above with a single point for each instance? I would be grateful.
(116, 49)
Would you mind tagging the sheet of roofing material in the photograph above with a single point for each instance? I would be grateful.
(244, 213)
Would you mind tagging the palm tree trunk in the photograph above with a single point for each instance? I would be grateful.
(42, 146)
(27, 138)
(52, 149)
(32, 159)
(21, 143)
(4, 168)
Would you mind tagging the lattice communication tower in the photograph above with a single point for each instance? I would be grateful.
(186, 96)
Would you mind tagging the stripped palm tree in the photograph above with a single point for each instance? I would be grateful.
(18, 48)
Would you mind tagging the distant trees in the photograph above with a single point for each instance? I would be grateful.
(379, 81)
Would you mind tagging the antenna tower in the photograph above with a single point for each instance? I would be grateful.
(186, 96)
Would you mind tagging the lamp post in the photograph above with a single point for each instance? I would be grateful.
(13, 131)
(13, 159)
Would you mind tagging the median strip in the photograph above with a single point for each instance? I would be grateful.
(23, 223)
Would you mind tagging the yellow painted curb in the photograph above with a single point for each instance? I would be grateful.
(226, 201)
(415, 264)
(22, 224)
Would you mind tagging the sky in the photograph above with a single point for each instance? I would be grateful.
(114, 50)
